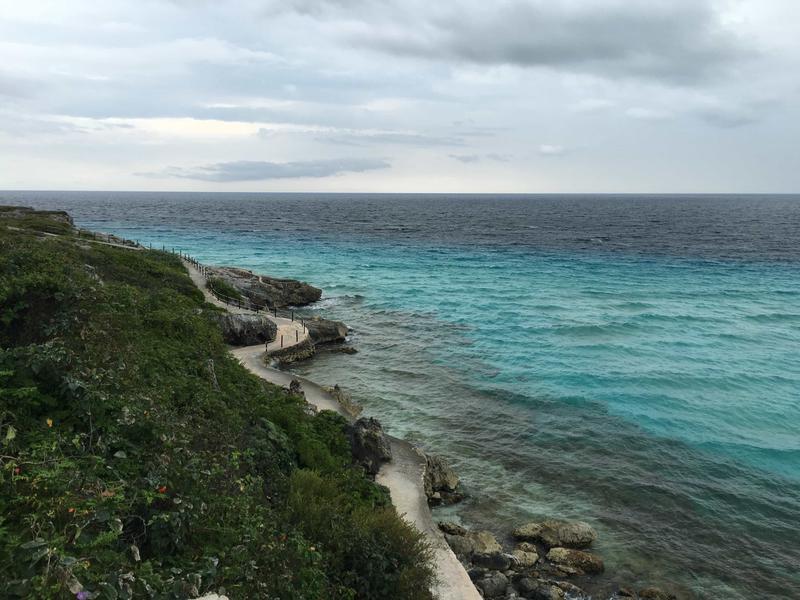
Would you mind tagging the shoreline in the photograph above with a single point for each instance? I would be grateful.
(403, 475)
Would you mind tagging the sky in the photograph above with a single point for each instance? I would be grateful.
(401, 95)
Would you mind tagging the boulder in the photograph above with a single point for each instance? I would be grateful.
(267, 291)
(524, 559)
(483, 542)
(472, 543)
(460, 545)
(245, 330)
(494, 561)
(440, 481)
(551, 533)
(582, 562)
(452, 528)
(323, 331)
(539, 589)
(492, 585)
(369, 444)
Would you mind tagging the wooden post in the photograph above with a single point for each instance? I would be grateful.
(296, 335)
(281, 341)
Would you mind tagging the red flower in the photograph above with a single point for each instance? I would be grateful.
(162, 489)
(17, 470)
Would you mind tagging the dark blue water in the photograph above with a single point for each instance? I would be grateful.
(629, 360)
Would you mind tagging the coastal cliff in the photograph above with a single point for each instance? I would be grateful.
(140, 459)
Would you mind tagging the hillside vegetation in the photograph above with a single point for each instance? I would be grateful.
(139, 460)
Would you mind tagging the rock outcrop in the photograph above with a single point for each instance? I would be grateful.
(551, 533)
(369, 445)
(267, 291)
(577, 562)
(324, 331)
(441, 481)
(245, 330)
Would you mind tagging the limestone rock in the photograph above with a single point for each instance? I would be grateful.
(494, 561)
(270, 291)
(323, 331)
(539, 589)
(472, 543)
(525, 559)
(551, 533)
(492, 585)
(441, 481)
(245, 330)
(582, 562)
(369, 444)
(452, 528)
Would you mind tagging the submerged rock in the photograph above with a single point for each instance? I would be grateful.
(369, 444)
(245, 330)
(551, 533)
(582, 562)
(655, 594)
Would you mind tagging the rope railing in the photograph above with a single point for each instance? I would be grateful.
(242, 302)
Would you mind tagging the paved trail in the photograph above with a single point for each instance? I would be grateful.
(403, 475)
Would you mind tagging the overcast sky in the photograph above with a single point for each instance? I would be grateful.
(401, 95)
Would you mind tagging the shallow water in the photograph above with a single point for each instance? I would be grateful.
(632, 361)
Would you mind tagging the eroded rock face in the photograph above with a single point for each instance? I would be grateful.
(369, 445)
(582, 562)
(323, 331)
(269, 291)
(246, 330)
(551, 533)
(441, 481)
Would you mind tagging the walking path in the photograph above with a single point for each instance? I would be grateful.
(403, 475)
(292, 332)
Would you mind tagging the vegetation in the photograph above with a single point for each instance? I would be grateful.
(139, 460)
(222, 288)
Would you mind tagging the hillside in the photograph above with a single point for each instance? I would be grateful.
(139, 459)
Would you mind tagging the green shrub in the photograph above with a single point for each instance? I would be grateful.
(222, 288)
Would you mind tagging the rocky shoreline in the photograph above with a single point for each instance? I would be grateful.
(547, 560)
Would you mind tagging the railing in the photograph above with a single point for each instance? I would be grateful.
(242, 303)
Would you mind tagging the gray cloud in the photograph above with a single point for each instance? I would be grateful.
(247, 170)
(677, 42)
(465, 158)
(367, 138)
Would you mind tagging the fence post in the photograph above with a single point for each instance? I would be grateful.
(296, 335)
(281, 341)
(292, 316)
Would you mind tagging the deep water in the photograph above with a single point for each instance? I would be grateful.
(633, 361)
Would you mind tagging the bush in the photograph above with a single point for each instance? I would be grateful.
(222, 288)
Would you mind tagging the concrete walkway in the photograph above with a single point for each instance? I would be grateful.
(293, 332)
(403, 475)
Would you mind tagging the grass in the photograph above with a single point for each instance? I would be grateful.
(220, 287)
(138, 459)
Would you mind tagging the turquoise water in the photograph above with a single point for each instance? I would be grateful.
(654, 395)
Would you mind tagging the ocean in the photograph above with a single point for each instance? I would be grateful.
(632, 361)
